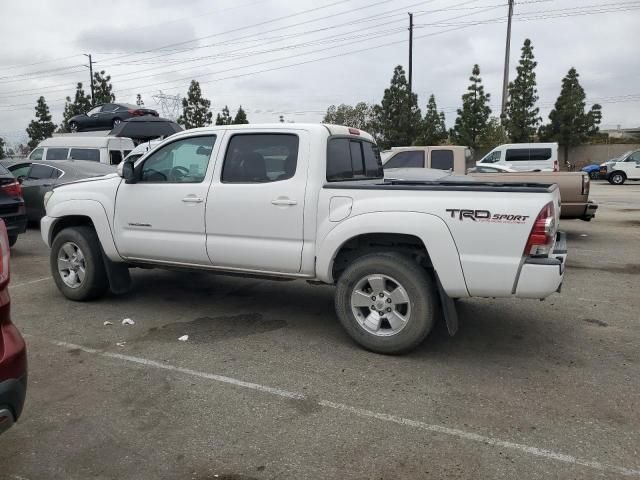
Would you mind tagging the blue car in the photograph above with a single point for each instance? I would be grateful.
(593, 171)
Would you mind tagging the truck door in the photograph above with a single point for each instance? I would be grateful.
(256, 202)
(161, 216)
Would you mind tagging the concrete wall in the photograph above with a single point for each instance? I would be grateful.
(587, 154)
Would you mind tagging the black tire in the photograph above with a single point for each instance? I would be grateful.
(73, 126)
(95, 282)
(419, 286)
(617, 178)
(12, 240)
(594, 175)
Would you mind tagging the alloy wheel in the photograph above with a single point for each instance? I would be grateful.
(381, 305)
(71, 265)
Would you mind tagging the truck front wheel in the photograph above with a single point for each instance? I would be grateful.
(386, 302)
(77, 265)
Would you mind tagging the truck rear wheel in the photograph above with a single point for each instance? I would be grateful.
(77, 265)
(386, 302)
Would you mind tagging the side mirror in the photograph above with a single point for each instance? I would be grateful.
(126, 171)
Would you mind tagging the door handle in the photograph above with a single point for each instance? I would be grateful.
(192, 199)
(283, 202)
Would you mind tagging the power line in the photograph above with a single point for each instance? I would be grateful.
(308, 61)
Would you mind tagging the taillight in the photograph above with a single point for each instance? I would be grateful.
(4, 256)
(556, 166)
(354, 131)
(13, 189)
(135, 113)
(586, 183)
(543, 233)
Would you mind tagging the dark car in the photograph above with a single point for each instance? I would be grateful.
(13, 352)
(40, 177)
(107, 116)
(12, 208)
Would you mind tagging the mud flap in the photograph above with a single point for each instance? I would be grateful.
(449, 309)
(118, 275)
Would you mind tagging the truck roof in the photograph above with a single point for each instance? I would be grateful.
(321, 128)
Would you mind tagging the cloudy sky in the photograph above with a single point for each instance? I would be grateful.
(296, 57)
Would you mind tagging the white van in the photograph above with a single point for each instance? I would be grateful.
(524, 157)
(107, 150)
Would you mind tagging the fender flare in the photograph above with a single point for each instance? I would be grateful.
(430, 229)
(98, 215)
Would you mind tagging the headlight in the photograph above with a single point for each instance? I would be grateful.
(47, 196)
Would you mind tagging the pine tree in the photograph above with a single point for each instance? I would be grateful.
(434, 130)
(398, 118)
(241, 117)
(474, 114)
(569, 124)
(102, 89)
(2, 144)
(42, 127)
(139, 100)
(521, 114)
(494, 134)
(195, 108)
(225, 118)
(80, 104)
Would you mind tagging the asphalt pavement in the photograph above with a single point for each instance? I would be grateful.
(268, 385)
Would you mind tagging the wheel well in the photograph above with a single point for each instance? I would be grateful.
(621, 172)
(379, 242)
(70, 221)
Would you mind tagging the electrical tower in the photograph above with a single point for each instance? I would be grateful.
(170, 105)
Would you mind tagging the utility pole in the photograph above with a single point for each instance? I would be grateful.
(505, 81)
(90, 75)
(410, 51)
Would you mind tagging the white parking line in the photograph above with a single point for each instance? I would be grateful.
(16, 285)
(360, 412)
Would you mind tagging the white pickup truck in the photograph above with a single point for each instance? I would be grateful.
(308, 201)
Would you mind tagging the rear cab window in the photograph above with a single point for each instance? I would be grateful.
(351, 158)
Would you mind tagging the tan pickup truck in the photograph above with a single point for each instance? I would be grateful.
(574, 186)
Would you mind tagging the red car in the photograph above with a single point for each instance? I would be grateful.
(13, 352)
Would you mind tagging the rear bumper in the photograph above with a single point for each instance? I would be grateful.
(582, 210)
(540, 277)
(16, 223)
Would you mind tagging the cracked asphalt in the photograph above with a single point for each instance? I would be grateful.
(268, 386)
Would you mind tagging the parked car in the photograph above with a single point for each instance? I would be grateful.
(437, 157)
(38, 178)
(524, 156)
(627, 166)
(102, 149)
(13, 352)
(107, 116)
(12, 208)
(308, 201)
(574, 186)
(592, 170)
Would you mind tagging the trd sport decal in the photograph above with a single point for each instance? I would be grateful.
(486, 216)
